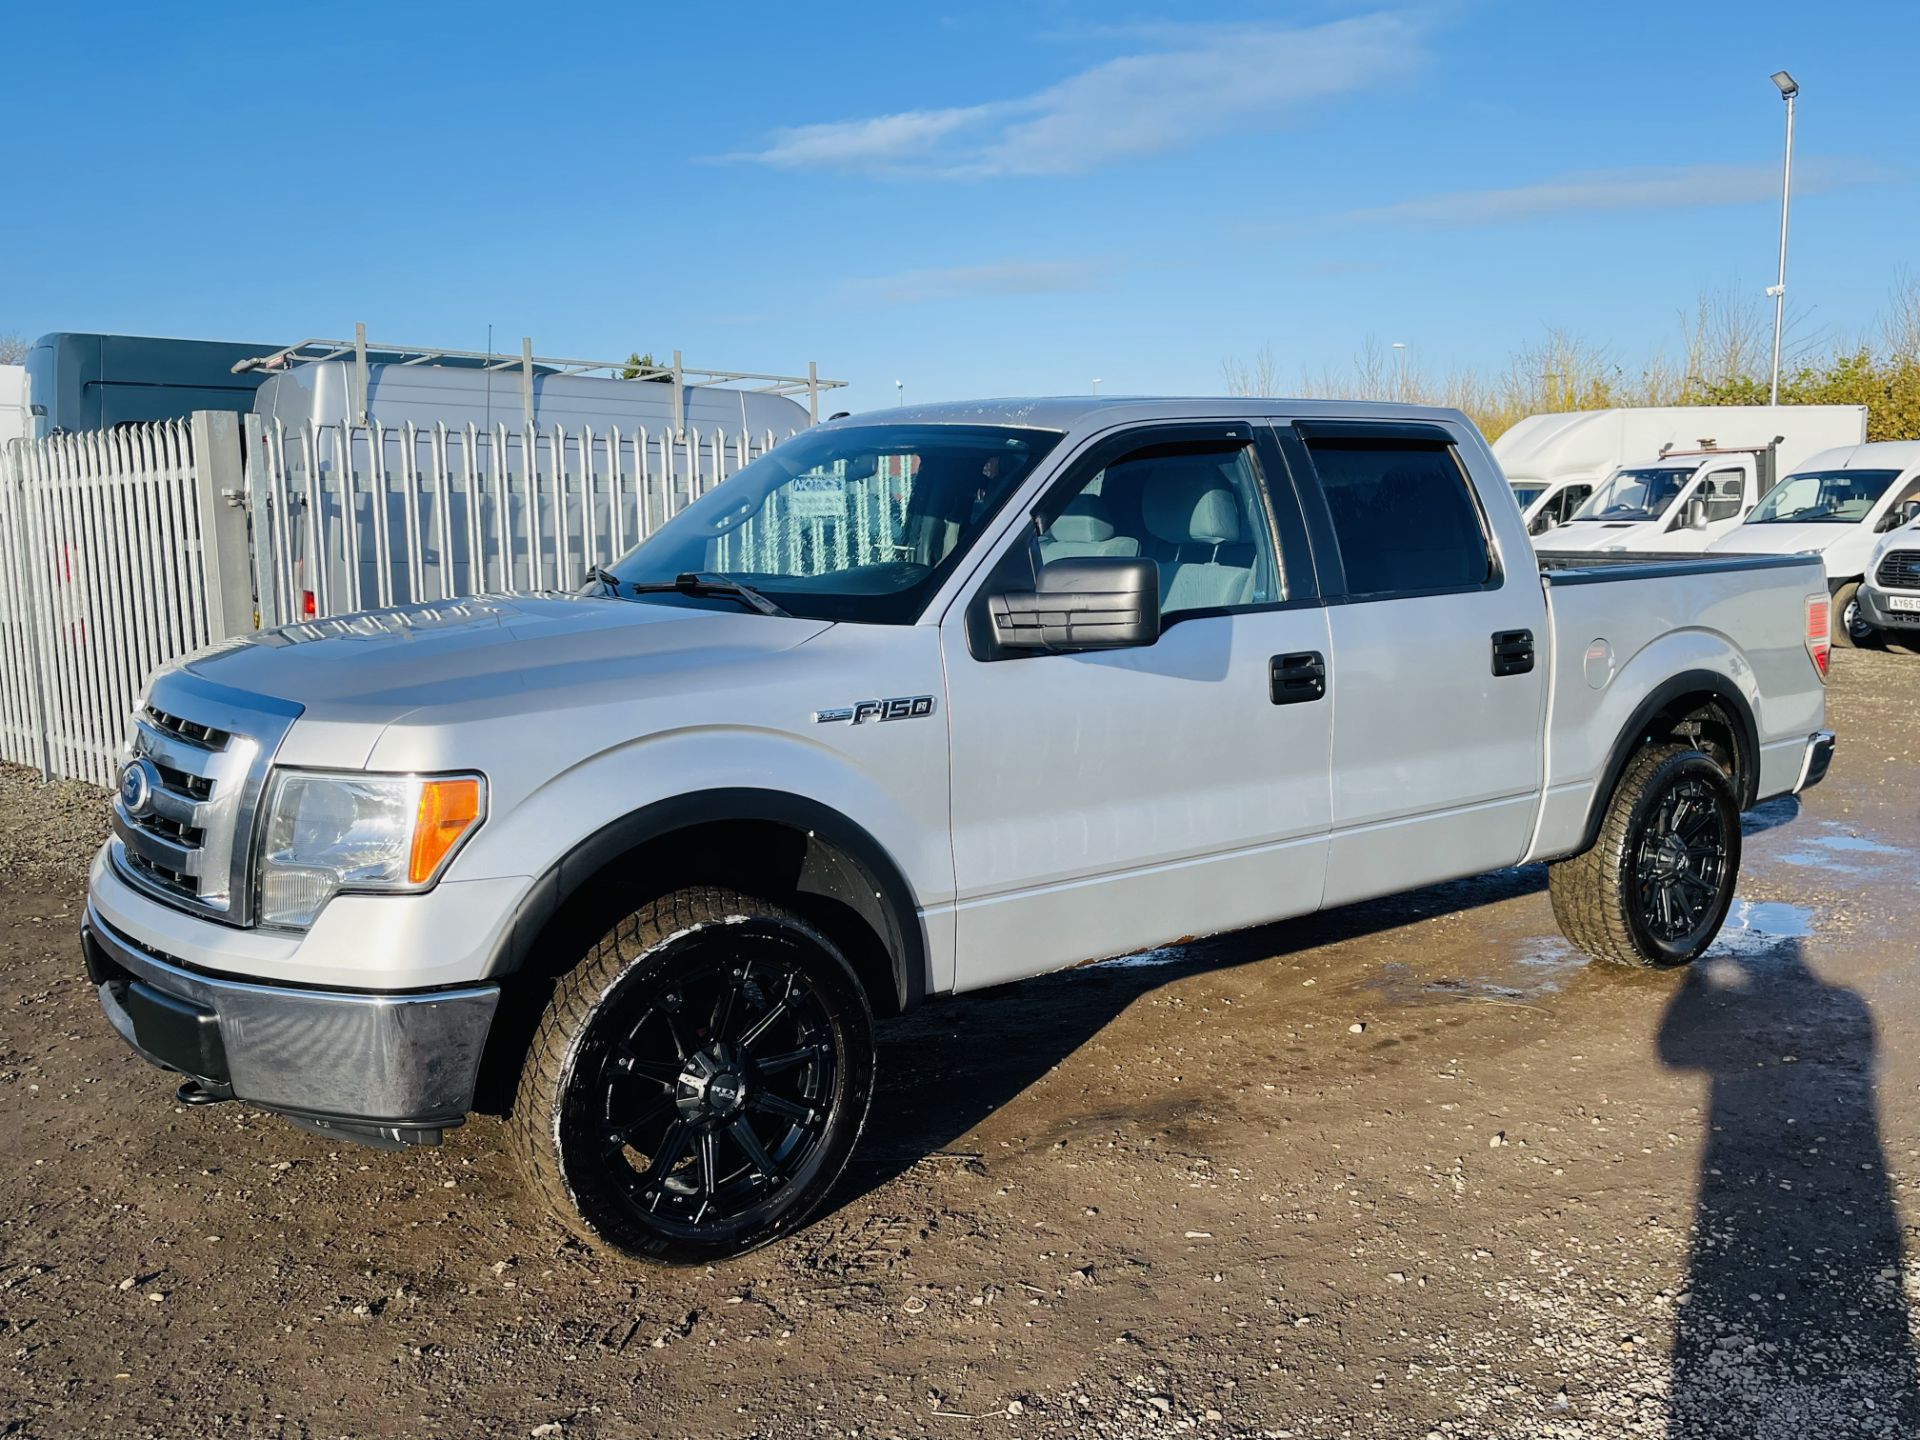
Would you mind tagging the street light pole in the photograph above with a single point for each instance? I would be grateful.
(1778, 290)
(899, 392)
(1400, 355)
(1096, 384)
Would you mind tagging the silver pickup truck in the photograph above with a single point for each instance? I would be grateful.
(915, 704)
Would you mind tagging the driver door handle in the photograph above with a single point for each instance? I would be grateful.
(1297, 679)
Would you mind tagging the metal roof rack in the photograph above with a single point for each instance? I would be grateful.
(527, 363)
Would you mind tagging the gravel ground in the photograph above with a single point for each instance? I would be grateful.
(1406, 1169)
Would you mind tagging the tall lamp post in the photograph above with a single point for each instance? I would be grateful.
(1400, 366)
(1778, 290)
(899, 392)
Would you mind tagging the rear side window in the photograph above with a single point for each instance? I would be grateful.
(1404, 518)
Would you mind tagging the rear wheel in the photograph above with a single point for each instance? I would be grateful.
(698, 1080)
(1656, 885)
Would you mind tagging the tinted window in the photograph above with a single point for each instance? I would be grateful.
(1193, 510)
(1403, 516)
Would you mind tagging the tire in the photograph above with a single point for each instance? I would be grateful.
(1849, 629)
(1655, 887)
(698, 1080)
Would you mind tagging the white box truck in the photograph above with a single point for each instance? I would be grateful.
(13, 402)
(1555, 462)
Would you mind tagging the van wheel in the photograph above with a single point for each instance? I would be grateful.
(1656, 885)
(698, 1080)
(1850, 626)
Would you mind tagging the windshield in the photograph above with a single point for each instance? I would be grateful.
(851, 523)
(1527, 494)
(1642, 494)
(1823, 497)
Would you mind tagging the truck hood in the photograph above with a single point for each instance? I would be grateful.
(1781, 539)
(1583, 536)
(381, 664)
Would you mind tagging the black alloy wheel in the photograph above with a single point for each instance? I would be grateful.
(698, 1080)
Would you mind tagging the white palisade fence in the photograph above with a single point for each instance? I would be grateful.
(124, 549)
(101, 579)
(357, 517)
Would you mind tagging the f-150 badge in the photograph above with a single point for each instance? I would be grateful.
(905, 707)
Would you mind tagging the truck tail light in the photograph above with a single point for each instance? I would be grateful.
(1820, 632)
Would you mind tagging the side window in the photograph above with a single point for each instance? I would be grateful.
(1724, 491)
(1403, 515)
(1572, 498)
(1195, 510)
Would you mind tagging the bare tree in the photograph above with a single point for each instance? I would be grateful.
(1258, 377)
(13, 348)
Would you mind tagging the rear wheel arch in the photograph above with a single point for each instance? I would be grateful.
(1702, 707)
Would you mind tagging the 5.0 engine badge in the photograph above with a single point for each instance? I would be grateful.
(905, 707)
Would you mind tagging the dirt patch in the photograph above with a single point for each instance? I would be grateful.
(1526, 1196)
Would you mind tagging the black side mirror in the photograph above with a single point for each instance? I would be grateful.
(1099, 602)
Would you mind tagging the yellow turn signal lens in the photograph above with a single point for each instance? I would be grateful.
(448, 809)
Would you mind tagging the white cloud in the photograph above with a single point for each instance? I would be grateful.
(1654, 187)
(1002, 277)
(1203, 80)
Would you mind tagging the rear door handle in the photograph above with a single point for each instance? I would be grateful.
(1297, 679)
(1512, 652)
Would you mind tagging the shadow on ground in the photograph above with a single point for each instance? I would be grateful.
(1795, 1322)
(949, 1065)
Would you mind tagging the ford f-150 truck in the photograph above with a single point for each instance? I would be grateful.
(912, 705)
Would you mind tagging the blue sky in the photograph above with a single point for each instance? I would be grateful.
(991, 199)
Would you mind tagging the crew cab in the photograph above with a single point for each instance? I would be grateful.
(917, 703)
(1836, 505)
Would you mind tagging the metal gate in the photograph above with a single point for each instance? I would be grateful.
(101, 579)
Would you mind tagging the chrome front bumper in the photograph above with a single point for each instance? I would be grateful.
(383, 1069)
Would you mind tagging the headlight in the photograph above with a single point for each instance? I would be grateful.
(386, 833)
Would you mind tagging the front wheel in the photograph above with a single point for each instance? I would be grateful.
(1850, 627)
(1656, 885)
(698, 1079)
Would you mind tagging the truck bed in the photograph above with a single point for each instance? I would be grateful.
(1660, 620)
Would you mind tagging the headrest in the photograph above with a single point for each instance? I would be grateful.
(1184, 503)
(1085, 521)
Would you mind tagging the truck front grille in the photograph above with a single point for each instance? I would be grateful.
(1900, 570)
(203, 753)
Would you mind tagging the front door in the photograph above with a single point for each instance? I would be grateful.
(1439, 673)
(1109, 800)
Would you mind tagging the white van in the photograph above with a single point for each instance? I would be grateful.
(1682, 502)
(1553, 462)
(1890, 594)
(1837, 504)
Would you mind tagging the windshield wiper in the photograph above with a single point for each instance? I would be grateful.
(692, 584)
(606, 577)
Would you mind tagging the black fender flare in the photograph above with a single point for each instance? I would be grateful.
(883, 897)
(1633, 736)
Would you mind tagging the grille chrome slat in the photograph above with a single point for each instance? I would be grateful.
(1900, 570)
(153, 847)
(211, 748)
(173, 752)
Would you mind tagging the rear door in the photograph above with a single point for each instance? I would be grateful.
(1438, 687)
(1105, 801)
